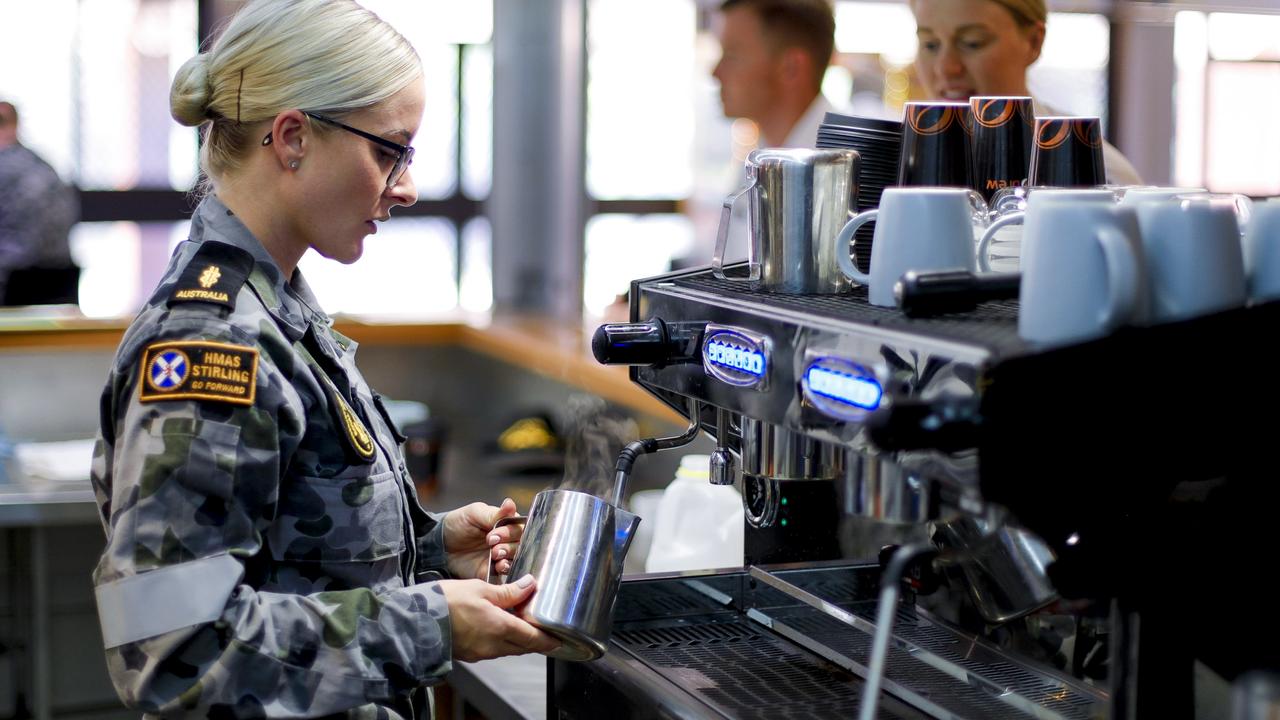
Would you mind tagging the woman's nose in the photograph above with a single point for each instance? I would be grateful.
(404, 192)
(949, 64)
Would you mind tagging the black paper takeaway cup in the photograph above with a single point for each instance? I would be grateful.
(935, 145)
(1068, 153)
(1002, 142)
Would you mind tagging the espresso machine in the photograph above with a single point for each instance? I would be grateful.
(1127, 475)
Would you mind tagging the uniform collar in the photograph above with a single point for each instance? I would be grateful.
(291, 303)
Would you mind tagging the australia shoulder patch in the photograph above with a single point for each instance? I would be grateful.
(198, 370)
(214, 275)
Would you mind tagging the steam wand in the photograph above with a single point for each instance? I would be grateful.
(890, 580)
(635, 449)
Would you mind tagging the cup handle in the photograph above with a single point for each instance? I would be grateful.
(509, 520)
(844, 256)
(1122, 277)
(980, 213)
(1244, 211)
(1014, 218)
(722, 234)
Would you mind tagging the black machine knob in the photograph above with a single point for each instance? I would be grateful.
(947, 424)
(922, 294)
(653, 342)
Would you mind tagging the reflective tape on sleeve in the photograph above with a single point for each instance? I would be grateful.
(159, 601)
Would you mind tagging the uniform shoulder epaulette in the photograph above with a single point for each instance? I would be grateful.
(213, 275)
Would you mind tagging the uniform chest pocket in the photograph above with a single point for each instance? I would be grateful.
(334, 520)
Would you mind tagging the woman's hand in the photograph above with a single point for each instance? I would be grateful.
(482, 627)
(471, 543)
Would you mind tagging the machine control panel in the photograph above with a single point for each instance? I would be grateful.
(841, 388)
(737, 356)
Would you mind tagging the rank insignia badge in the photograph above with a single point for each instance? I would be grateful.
(213, 275)
(198, 370)
(210, 276)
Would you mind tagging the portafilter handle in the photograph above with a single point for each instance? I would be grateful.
(652, 342)
(925, 294)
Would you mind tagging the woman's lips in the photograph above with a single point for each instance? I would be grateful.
(373, 229)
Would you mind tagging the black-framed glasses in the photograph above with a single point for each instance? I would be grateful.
(404, 153)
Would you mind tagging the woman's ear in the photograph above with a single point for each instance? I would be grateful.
(290, 138)
(1035, 42)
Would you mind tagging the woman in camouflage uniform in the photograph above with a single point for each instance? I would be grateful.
(266, 554)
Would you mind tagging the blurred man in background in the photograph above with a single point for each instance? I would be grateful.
(774, 54)
(36, 214)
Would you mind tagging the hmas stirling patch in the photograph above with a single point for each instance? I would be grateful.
(214, 275)
(198, 370)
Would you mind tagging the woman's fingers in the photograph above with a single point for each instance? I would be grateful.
(506, 534)
(524, 638)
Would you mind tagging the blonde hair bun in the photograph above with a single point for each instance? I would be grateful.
(189, 95)
(274, 55)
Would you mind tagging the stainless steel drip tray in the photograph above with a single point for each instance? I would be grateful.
(795, 644)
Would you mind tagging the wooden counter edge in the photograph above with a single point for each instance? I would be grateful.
(559, 355)
(550, 350)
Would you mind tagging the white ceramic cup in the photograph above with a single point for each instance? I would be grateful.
(917, 228)
(1134, 196)
(1239, 204)
(1262, 252)
(1195, 265)
(1082, 270)
(1007, 216)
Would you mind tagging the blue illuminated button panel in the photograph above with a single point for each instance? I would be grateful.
(841, 388)
(736, 356)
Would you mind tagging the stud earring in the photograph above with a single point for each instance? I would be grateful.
(294, 165)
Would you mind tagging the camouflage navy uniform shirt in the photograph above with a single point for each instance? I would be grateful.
(266, 554)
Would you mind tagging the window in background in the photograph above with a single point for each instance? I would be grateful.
(475, 293)
(122, 262)
(645, 87)
(477, 121)
(878, 63)
(1228, 91)
(1071, 75)
(640, 98)
(98, 110)
(407, 270)
(419, 265)
(621, 248)
(91, 81)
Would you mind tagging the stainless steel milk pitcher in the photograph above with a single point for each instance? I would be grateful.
(574, 545)
(798, 200)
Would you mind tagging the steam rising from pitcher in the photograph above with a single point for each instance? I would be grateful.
(594, 435)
